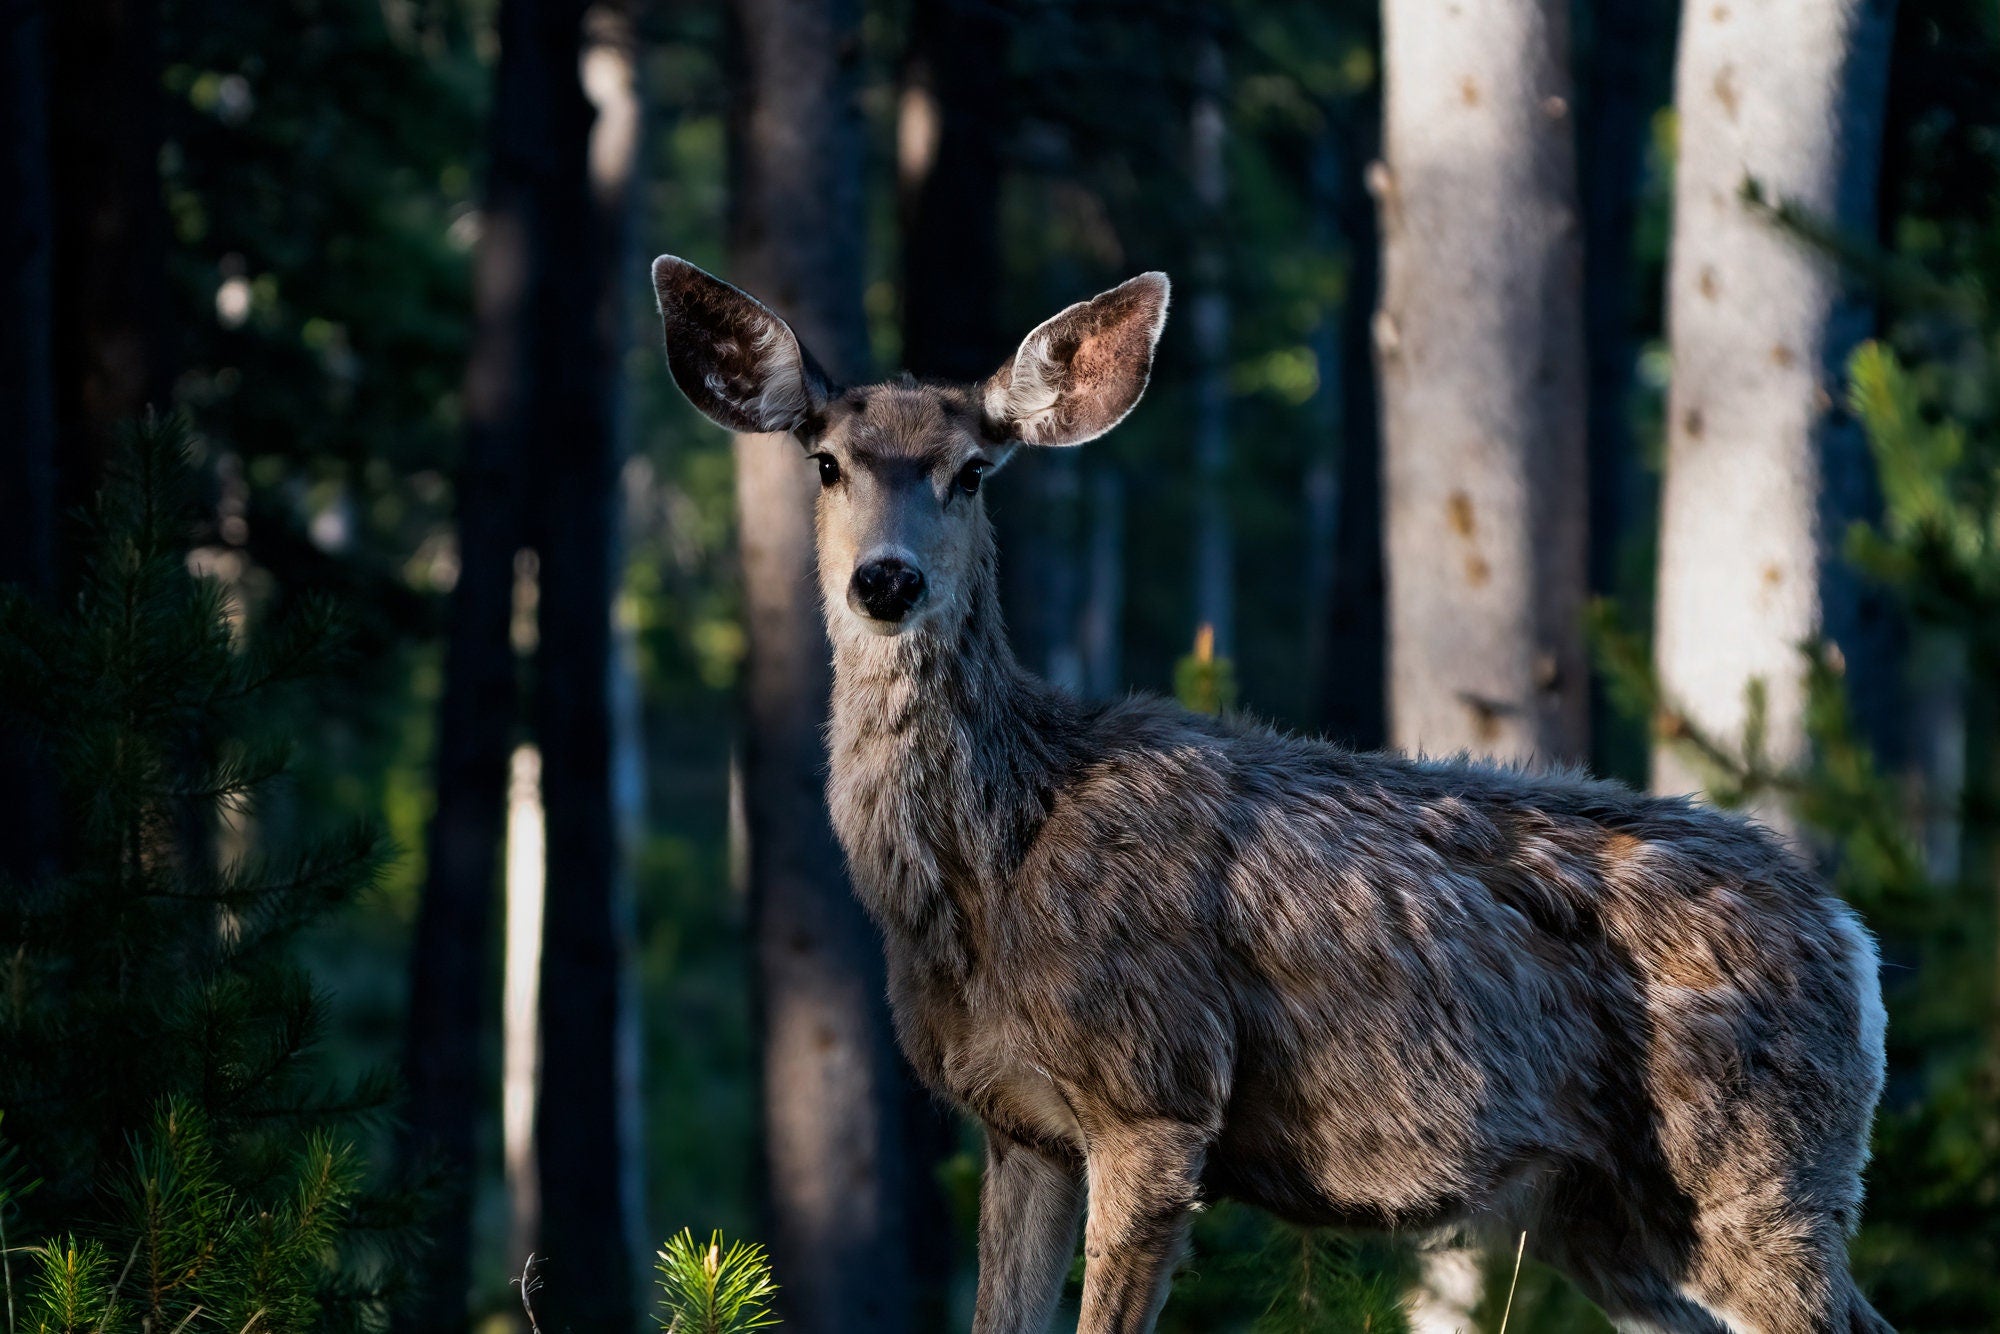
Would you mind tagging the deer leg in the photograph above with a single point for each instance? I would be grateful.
(1143, 1181)
(1028, 1208)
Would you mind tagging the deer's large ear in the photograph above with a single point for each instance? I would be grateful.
(741, 365)
(1077, 375)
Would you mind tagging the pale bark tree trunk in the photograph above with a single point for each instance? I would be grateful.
(832, 1155)
(1208, 312)
(1762, 471)
(1479, 342)
(586, 1124)
(452, 1007)
(1480, 347)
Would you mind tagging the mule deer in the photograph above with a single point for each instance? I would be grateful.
(1161, 956)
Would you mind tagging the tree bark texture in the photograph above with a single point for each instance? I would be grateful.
(1763, 470)
(1480, 348)
(586, 1136)
(832, 1148)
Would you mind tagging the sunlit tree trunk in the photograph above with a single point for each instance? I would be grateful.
(1479, 341)
(831, 1109)
(1763, 470)
(452, 999)
(586, 1125)
(1479, 344)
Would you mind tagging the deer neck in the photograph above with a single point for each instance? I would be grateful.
(944, 755)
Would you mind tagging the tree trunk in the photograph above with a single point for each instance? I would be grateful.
(1352, 695)
(109, 231)
(1103, 619)
(948, 166)
(948, 175)
(586, 1125)
(27, 404)
(1214, 535)
(831, 1112)
(452, 1008)
(1480, 346)
(1626, 80)
(1763, 471)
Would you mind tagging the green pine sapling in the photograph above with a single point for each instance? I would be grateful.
(161, 1079)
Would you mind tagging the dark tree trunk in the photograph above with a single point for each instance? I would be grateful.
(1353, 689)
(1627, 75)
(1214, 532)
(27, 402)
(949, 165)
(586, 1141)
(447, 1064)
(949, 172)
(109, 231)
(832, 1145)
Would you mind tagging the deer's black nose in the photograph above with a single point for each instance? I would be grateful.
(887, 589)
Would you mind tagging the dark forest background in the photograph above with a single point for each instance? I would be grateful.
(387, 261)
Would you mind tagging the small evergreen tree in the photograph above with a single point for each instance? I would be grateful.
(160, 1076)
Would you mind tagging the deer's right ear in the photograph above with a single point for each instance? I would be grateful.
(738, 363)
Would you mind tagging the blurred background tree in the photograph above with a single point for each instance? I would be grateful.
(388, 254)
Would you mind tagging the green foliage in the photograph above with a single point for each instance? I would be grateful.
(706, 1289)
(1318, 1283)
(1204, 682)
(149, 1006)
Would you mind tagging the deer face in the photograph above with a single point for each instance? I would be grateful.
(901, 526)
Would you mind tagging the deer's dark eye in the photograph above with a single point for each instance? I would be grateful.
(829, 469)
(968, 477)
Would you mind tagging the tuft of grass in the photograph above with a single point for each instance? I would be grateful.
(708, 1289)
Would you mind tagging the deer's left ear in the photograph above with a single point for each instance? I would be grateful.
(738, 363)
(1078, 374)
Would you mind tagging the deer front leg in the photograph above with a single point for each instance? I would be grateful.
(1028, 1208)
(1143, 1180)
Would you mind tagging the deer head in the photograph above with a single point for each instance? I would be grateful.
(900, 521)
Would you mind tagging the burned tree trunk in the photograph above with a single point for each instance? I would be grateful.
(830, 1074)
